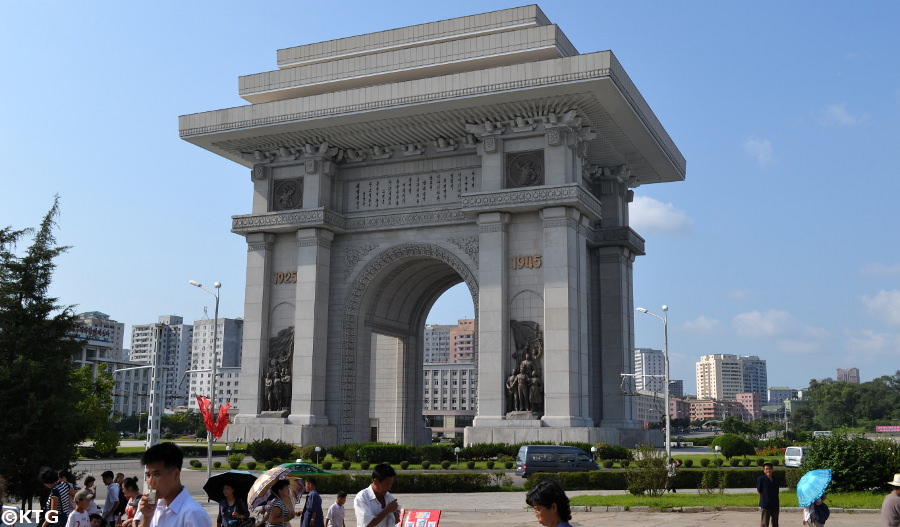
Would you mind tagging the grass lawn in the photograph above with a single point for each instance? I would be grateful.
(688, 498)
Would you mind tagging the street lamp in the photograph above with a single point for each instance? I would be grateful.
(212, 388)
(594, 453)
(456, 451)
(665, 321)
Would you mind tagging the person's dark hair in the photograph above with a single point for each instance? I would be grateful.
(88, 480)
(109, 473)
(548, 492)
(93, 517)
(342, 494)
(280, 484)
(49, 476)
(767, 464)
(383, 471)
(311, 480)
(169, 454)
(70, 478)
(131, 484)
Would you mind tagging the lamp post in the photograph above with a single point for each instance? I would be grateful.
(665, 321)
(594, 453)
(456, 451)
(212, 388)
(318, 449)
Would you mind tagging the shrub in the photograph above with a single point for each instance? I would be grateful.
(196, 463)
(490, 464)
(607, 451)
(624, 463)
(426, 464)
(251, 465)
(774, 462)
(719, 462)
(107, 443)
(470, 465)
(269, 464)
(404, 465)
(704, 462)
(607, 463)
(217, 464)
(234, 460)
(384, 453)
(688, 463)
(268, 450)
(650, 473)
(735, 462)
(346, 465)
(733, 445)
(509, 464)
(746, 462)
(712, 480)
(760, 462)
(857, 463)
(326, 465)
(364, 465)
(445, 464)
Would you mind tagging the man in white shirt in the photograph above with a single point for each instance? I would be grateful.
(374, 505)
(112, 497)
(174, 507)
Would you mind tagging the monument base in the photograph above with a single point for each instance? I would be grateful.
(518, 432)
(277, 425)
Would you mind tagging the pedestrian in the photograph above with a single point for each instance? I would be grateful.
(58, 500)
(168, 503)
(132, 502)
(123, 500)
(550, 503)
(335, 515)
(375, 506)
(97, 520)
(670, 477)
(112, 498)
(232, 509)
(279, 511)
(80, 517)
(89, 485)
(890, 507)
(816, 513)
(767, 488)
(312, 508)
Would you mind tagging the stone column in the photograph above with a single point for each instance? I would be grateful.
(311, 327)
(256, 321)
(562, 268)
(493, 318)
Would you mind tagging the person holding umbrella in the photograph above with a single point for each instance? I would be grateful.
(232, 509)
(228, 489)
(811, 495)
(279, 512)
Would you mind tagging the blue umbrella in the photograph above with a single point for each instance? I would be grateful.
(812, 486)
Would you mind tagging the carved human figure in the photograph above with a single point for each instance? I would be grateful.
(522, 403)
(512, 393)
(270, 391)
(285, 386)
(536, 393)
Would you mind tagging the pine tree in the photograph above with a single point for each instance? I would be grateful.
(42, 415)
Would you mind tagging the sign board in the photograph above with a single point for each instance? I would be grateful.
(888, 428)
(411, 518)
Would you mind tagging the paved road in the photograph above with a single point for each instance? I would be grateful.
(508, 509)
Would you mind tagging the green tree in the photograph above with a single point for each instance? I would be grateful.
(37, 377)
(857, 463)
(733, 445)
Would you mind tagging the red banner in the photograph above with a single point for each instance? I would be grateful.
(410, 518)
(215, 428)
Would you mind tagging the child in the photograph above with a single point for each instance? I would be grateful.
(335, 516)
(79, 517)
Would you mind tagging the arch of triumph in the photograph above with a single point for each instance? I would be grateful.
(386, 168)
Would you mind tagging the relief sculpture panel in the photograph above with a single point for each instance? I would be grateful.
(525, 384)
(277, 376)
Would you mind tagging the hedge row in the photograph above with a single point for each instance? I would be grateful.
(388, 453)
(408, 483)
(685, 478)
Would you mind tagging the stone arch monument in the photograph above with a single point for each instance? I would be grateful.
(385, 169)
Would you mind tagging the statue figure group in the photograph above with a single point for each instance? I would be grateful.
(524, 386)
(277, 378)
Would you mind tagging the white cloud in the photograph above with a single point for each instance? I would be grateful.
(885, 305)
(761, 149)
(655, 217)
(880, 270)
(703, 326)
(837, 114)
(870, 347)
(772, 323)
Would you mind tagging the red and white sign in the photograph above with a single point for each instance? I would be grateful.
(887, 428)
(420, 518)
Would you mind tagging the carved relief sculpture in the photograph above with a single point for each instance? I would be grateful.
(287, 194)
(525, 385)
(525, 169)
(277, 377)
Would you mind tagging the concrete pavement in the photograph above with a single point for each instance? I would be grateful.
(508, 509)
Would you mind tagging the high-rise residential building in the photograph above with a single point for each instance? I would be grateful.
(779, 394)
(649, 370)
(752, 403)
(462, 341)
(228, 358)
(167, 344)
(676, 388)
(103, 337)
(756, 379)
(437, 343)
(723, 376)
(850, 375)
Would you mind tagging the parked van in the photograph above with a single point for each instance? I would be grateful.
(794, 455)
(550, 458)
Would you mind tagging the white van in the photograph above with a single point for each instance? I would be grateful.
(794, 455)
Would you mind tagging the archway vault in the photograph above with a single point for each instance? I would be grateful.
(392, 295)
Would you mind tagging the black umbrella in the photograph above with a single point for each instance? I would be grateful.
(239, 480)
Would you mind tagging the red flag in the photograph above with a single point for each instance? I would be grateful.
(222, 420)
(204, 403)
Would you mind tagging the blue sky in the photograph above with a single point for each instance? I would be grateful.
(781, 242)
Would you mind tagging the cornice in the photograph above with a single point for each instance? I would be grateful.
(619, 237)
(533, 198)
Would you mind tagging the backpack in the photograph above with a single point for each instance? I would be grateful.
(821, 512)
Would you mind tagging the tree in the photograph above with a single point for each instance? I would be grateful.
(50, 413)
(857, 463)
(733, 445)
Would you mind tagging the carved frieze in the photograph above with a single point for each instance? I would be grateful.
(469, 245)
(287, 194)
(352, 255)
(525, 169)
(408, 191)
